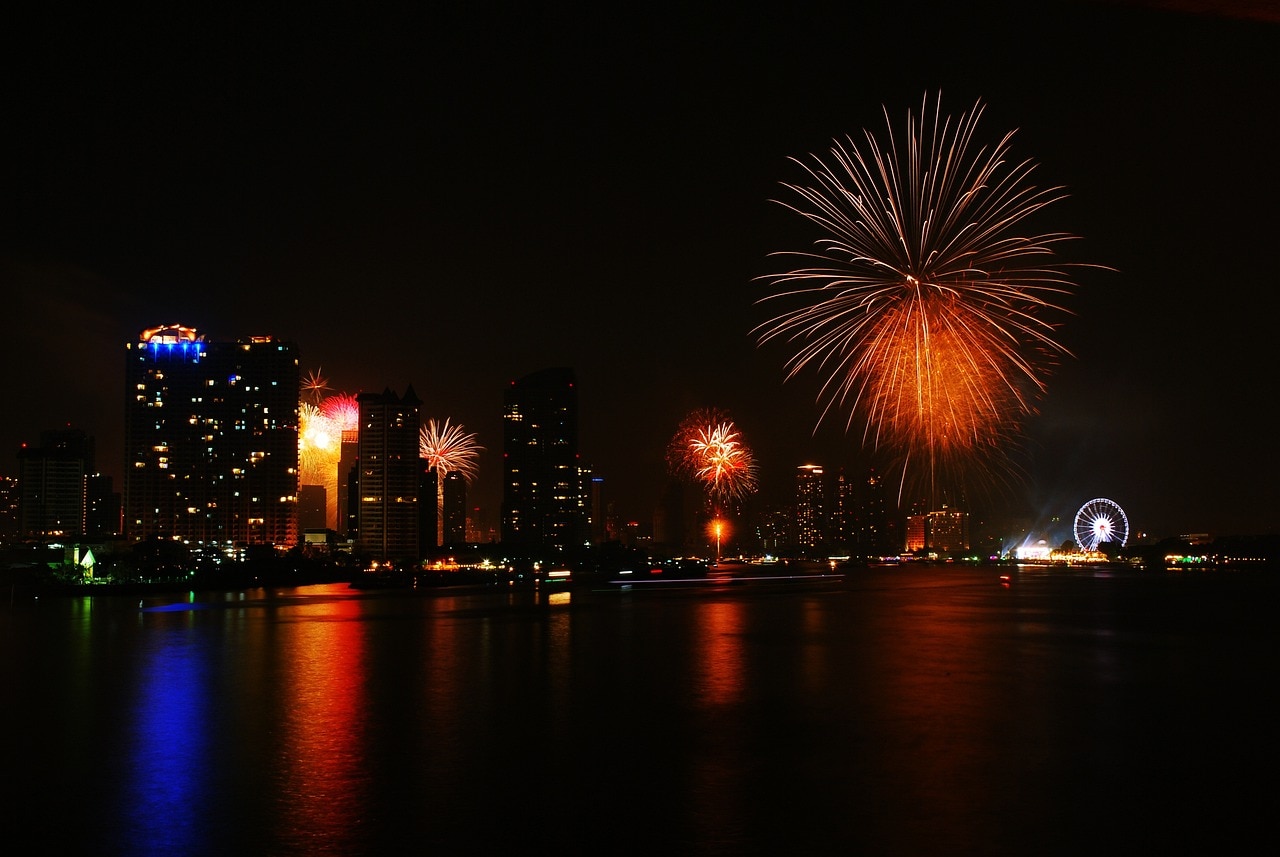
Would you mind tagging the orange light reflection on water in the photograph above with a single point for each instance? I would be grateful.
(323, 781)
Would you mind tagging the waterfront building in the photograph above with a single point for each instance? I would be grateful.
(810, 514)
(51, 484)
(102, 506)
(454, 517)
(389, 468)
(941, 531)
(348, 484)
(877, 526)
(842, 522)
(211, 439)
(8, 507)
(542, 503)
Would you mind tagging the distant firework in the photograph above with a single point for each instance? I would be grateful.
(708, 449)
(447, 449)
(314, 386)
(920, 307)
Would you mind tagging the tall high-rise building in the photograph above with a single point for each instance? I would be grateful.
(810, 514)
(51, 483)
(211, 439)
(843, 517)
(389, 475)
(348, 483)
(8, 507)
(455, 508)
(877, 528)
(542, 503)
(101, 506)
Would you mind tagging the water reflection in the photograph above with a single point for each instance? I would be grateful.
(165, 789)
(321, 762)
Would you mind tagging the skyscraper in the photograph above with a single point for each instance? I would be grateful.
(51, 483)
(389, 469)
(877, 530)
(211, 439)
(810, 515)
(542, 504)
(455, 508)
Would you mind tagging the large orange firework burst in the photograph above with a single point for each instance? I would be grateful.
(922, 306)
(320, 432)
(709, 449)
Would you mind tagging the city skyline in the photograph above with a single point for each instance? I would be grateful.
(607, 207)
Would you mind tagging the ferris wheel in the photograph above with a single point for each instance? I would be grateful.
(1101, 520)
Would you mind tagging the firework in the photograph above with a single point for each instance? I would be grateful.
(709, 449)
(322, 427)
(447, 449)
(922, 308)
(343, 411)
(314, 386)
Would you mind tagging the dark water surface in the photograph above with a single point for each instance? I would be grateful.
(910, 710)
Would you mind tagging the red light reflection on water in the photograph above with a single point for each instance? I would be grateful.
(720, 679)
(322, 775)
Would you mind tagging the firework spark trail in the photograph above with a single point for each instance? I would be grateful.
(314, 386)
(447, 448)
(920, 307)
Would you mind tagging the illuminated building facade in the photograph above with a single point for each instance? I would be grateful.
(943, 531)
(211, 439)
(810, 516)
(389, 471)
(542, 503)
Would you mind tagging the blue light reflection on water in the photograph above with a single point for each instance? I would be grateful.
(165, 789)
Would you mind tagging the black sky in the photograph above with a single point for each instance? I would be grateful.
(453, 198)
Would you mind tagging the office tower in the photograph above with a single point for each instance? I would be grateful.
(942, 531)
(455, 508)
(348, 483)
(51, 484)
(102, 506)
(843, 517)
(8, 507)
(948, 530)
(877, 529)
(810, 514)
(541, 491)
(211, 439)
(917, 533)
(389, 469)
(430, 529)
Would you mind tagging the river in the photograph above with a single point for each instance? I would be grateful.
(902, 710)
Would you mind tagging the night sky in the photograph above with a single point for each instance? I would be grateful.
(452, 198)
